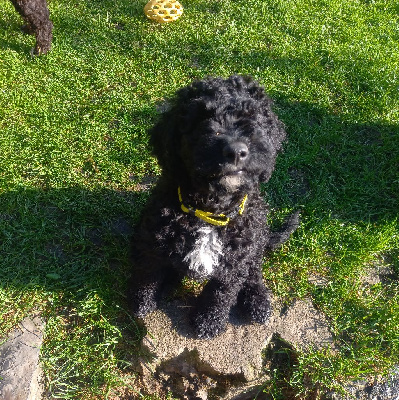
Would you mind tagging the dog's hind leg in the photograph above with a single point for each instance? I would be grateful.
(143, 299)
(36, 16)
(254, 299)
(147, 285)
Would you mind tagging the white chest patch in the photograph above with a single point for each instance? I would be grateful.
(206, 251)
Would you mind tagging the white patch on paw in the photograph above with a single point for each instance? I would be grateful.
(206, 251)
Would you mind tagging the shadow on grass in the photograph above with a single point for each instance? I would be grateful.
(65, 239)
(347, 171)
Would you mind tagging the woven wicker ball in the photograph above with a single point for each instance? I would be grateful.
(163, 10)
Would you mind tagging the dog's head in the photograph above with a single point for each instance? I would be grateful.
(219, 133)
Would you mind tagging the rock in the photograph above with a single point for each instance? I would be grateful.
(227, 365)
(388, 389)
(19, 362)
(378, 274)
(377, 389)
(303, 326)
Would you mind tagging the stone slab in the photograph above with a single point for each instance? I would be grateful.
(175, 358)
(19, 362)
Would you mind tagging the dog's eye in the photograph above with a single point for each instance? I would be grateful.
(217, 133)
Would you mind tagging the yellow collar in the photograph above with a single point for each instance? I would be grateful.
(214, 219)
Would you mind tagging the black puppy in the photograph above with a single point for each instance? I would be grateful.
(206, 218)
(36, 16)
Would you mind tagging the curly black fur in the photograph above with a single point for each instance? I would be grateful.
(218, 141)
(36, 16)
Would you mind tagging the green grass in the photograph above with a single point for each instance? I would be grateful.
(74, 151)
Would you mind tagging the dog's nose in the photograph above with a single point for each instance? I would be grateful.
(235, 152)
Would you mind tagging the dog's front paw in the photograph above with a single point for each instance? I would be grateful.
(141, 309)
(261, 313)
(209, 324)
(257, 304)
(142, 302)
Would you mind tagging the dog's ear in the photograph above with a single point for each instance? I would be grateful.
(181, 118)
(164, 140)
(274, 133)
